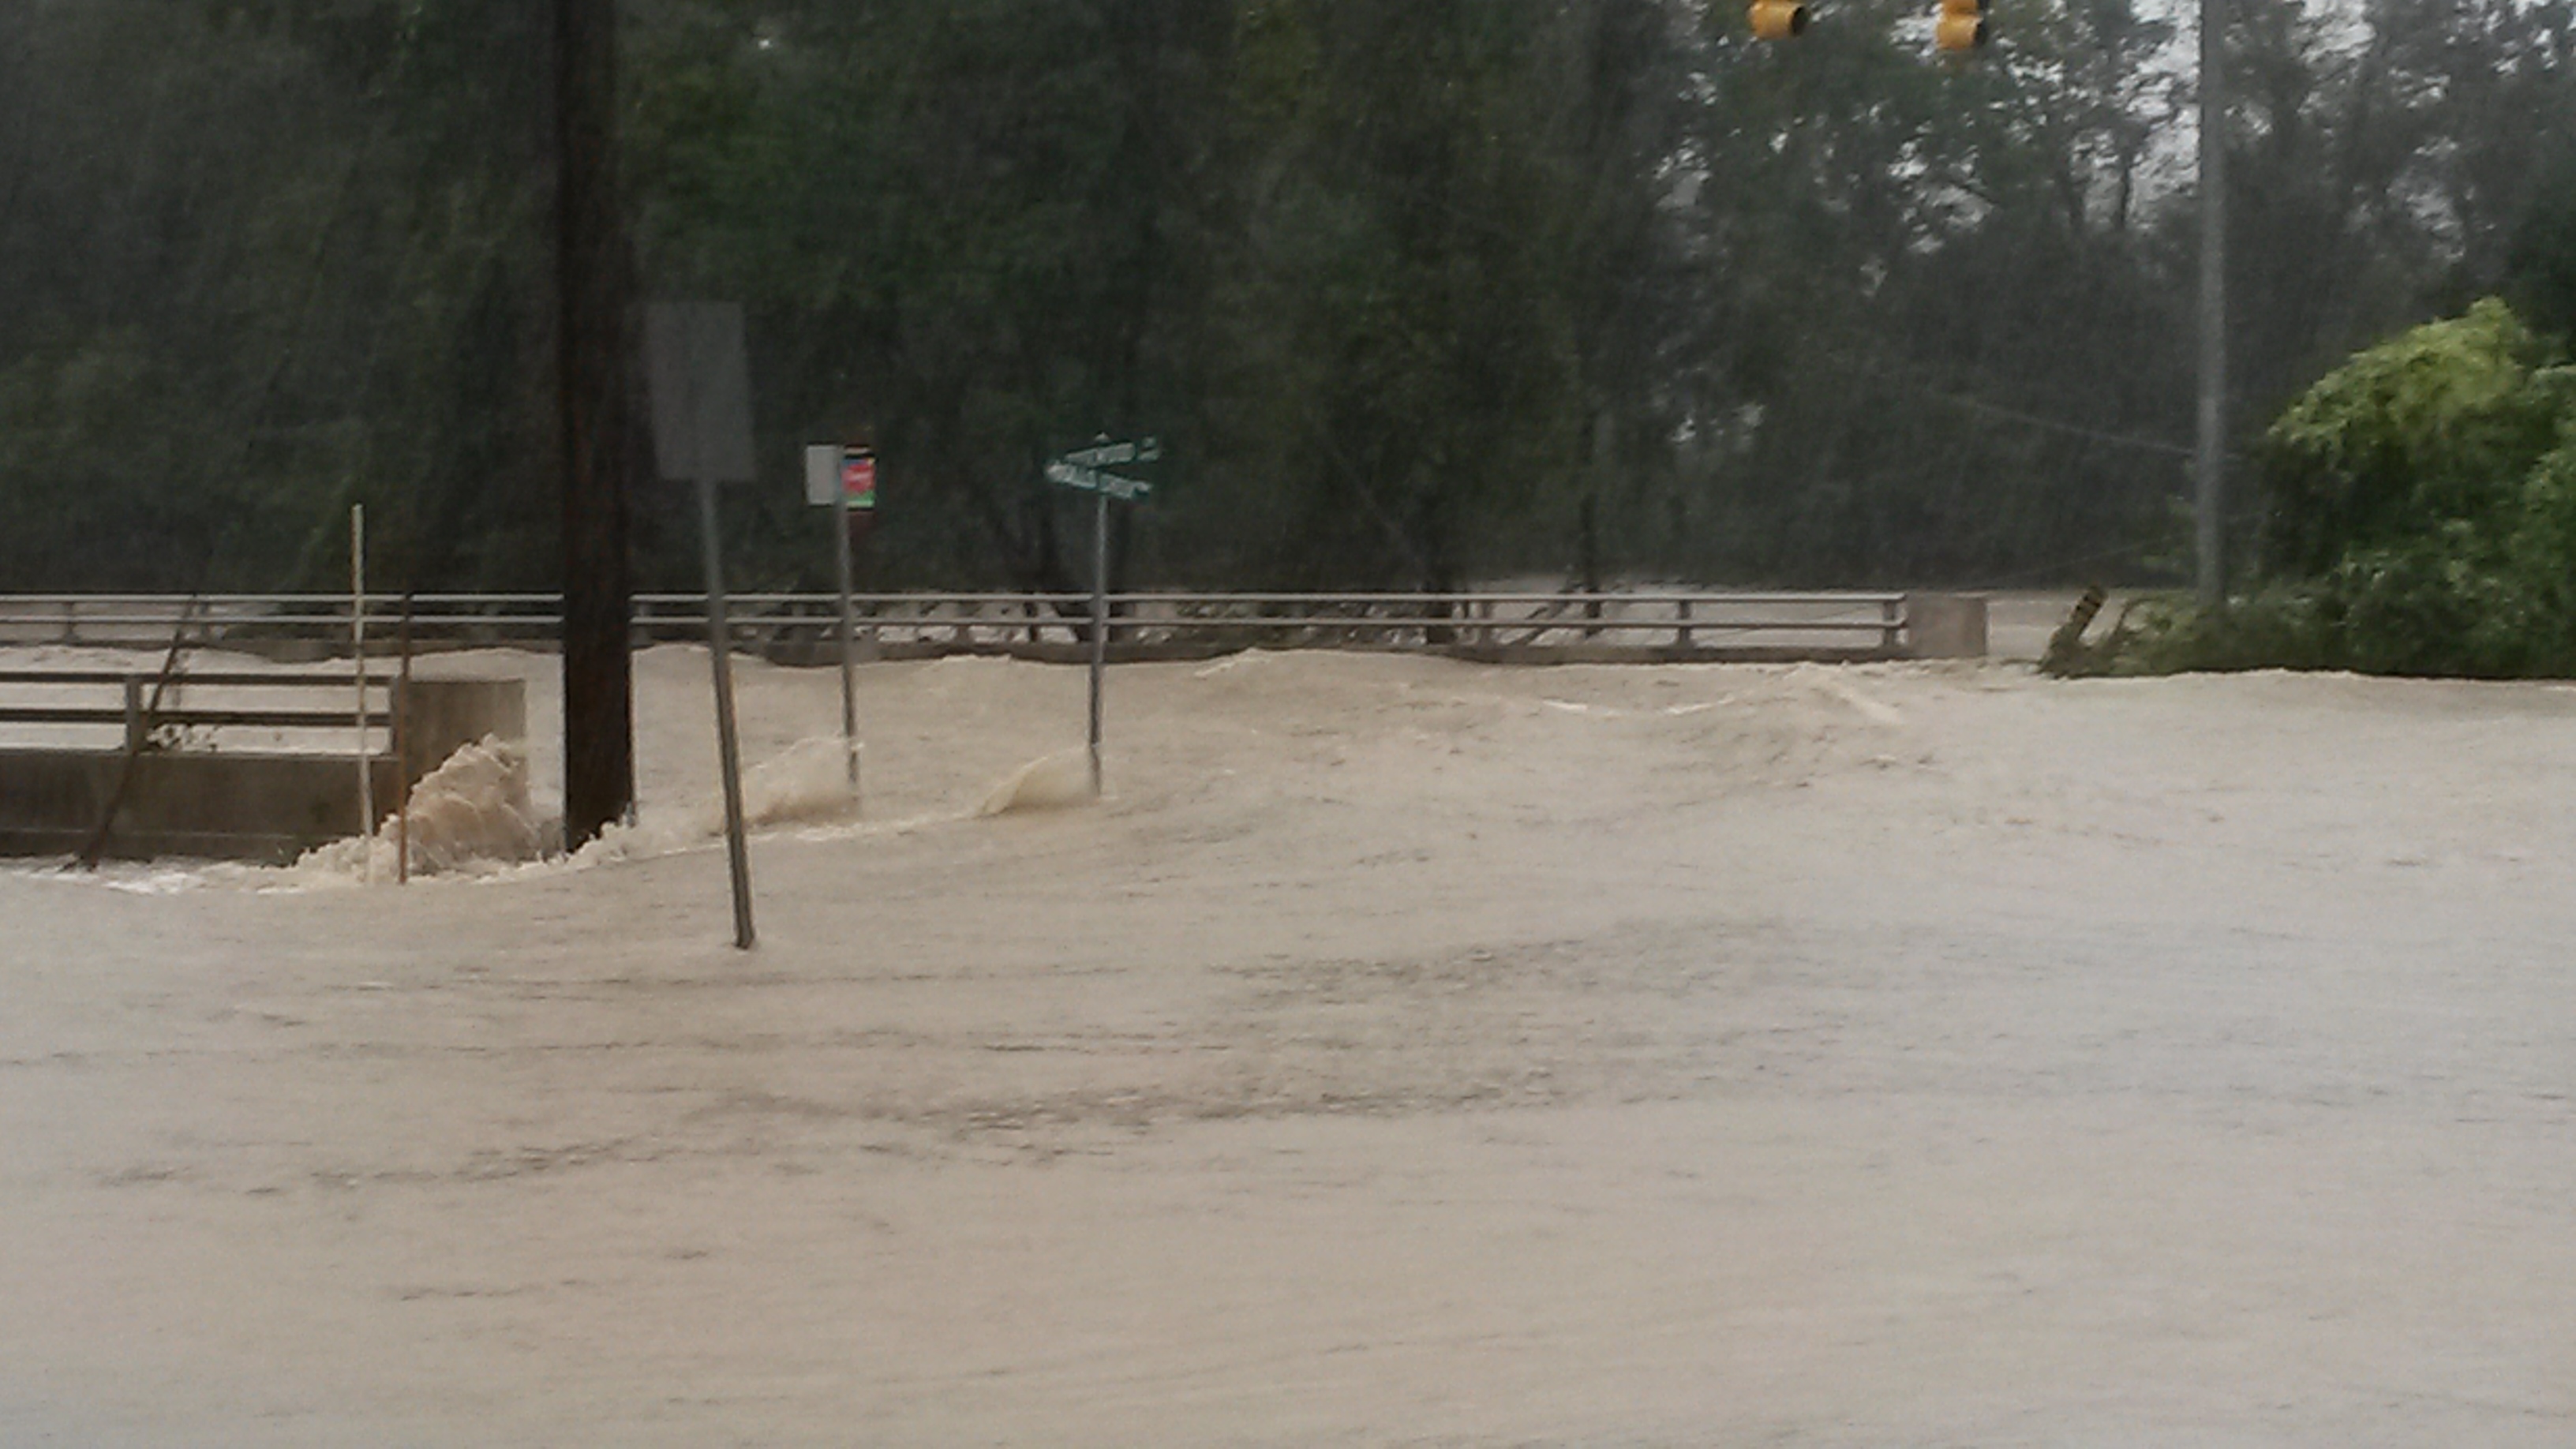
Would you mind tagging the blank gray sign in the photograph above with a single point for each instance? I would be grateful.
(701, 391)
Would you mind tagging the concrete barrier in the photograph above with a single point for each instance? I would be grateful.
(258, 805)
(1945, 626)
(441, 714)
(213, 805)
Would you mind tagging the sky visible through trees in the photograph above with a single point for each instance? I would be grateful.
(1416, 292)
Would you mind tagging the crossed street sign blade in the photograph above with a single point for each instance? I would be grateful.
(1102, 455)
(1092, 480)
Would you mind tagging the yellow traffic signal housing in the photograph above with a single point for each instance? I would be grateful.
(1962, 25)
(1778, 19)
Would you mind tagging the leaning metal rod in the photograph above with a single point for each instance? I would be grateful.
(94, 849)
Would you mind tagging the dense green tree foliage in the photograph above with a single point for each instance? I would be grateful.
(1416, 291)
(2420, 518)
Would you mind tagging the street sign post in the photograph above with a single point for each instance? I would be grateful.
(702, 434)
(845, 480)
(1084, 471)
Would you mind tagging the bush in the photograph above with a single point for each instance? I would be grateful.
(2278, 628)
(2420, 519)
(2434, 427)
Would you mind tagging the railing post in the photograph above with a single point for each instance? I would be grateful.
(71, 621)
(1891, 613)
(402, 745)
(1682, 636)
(135, 730)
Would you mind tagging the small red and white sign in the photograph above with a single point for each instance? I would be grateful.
(834, 471)
(859, 479)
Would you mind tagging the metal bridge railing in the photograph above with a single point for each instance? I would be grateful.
(1847, 623)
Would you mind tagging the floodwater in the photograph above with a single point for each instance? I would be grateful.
(1405, 1051)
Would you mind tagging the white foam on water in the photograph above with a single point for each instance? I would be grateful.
(150, 881)
(137, 878)
(806, 784)
(1876, 711)
(472, 815)
(1050, 782)
(476, 818)
(809, 782)
(1234, 662)
(1829, 684)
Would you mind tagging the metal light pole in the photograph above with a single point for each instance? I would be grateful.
(2210, 456)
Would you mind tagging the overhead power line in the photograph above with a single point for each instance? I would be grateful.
(2076, 430)
(1886, 377)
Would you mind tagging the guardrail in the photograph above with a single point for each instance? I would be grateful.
(1664, 624)
(215, 762)
(142, 719)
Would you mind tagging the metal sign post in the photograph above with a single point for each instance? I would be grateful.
(844, 478)
(358, 650)
(1082, 471)
(1099, 621)
(402, 750)
(849, 673)
(728, 749)
(702, 434)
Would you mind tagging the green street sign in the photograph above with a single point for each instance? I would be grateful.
(1092, 480)
(1106, 454)
(1085, 470)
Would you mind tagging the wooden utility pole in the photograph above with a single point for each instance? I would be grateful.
(592, 291)
(2209, 459)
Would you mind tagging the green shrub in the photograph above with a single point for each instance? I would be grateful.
(2284, 627)
(2435, 426)
(2420, 519)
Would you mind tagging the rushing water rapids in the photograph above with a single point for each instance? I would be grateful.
(1402, 1050)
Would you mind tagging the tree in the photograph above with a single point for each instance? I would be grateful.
(1416, 293)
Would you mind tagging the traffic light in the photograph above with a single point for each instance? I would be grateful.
(1778, 19)
(1962, 25)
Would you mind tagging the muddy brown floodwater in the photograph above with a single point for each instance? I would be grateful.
(1407, 1051)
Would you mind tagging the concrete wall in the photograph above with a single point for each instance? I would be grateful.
(441, 714)
(238, 804)
(230, 806)
(1945, 626)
